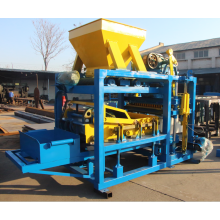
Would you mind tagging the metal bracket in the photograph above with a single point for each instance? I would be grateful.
(104, 192)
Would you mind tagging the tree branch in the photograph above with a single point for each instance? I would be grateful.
(48, 41)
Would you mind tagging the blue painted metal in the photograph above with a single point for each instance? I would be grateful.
(59, 147)
(192, 106)
(125, 82)
(110, 82)
(135, 89)
(189, 73)
(212, 93)
(218, 153)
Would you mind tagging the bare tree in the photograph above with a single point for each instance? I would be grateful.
(68, 66)
(48, 41)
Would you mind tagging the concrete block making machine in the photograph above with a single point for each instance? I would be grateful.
(147, 101)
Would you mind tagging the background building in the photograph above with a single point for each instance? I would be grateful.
(46, 82)
(21, 77)
(203, 57)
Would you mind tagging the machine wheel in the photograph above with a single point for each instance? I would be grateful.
(152, 61)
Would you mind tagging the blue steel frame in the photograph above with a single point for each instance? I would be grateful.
(168, 156)
(101, 149)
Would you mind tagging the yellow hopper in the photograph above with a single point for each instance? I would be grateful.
(105, 44)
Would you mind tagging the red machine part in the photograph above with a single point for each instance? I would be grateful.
(63, 100)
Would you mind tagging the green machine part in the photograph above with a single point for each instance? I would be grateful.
(155, 61)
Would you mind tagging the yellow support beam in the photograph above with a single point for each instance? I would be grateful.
(136, 58)
(185, 104)
(78, 64)
(185, 133)
(185, 110)
(172, 60)
(116, 56)
(170, 54)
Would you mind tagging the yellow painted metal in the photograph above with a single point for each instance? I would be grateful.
(143, 105)
(91, 42)
(118, 120)
(157, 124)
(132, 66)
(170, 54)
(147, 118)
(89, 133)
(67, 110)
(185, 104)
(116, 55)
(78, 64)
(82, 103)
(117, 109)
(185, 110)
(89, 113)
(127, 125)
(136, 57)
(111, 134)
(172, 60)
(185, 133)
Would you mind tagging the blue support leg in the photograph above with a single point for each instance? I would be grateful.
(152, 160)
(58, 108)
(99, 131)
(118, 169)
(166, 120)
(192, 95)
(90, 164)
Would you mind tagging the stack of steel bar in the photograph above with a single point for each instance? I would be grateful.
(30, 127)
(43, 112)
(33, 117)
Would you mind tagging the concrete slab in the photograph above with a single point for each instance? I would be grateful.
(185, 182)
